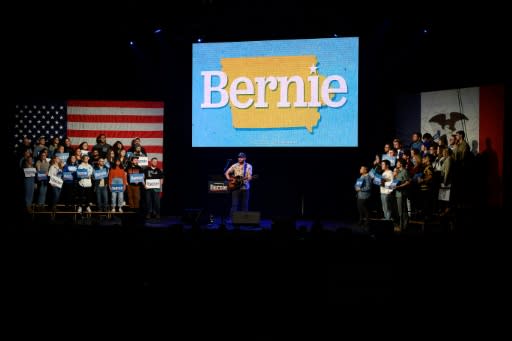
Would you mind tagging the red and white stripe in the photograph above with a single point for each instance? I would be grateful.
(119, 121)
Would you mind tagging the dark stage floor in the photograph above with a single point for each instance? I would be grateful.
(196, 220)
(283, 267)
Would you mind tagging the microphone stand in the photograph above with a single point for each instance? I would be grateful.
(226, 166)
(222, 222)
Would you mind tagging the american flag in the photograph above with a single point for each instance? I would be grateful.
(35, 120)
(84, 120)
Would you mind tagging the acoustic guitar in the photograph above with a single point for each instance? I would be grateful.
(235, 182)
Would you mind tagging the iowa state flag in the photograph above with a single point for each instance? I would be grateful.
(478, 111)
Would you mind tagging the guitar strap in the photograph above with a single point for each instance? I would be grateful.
(243, 179)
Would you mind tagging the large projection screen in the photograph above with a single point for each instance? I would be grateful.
(282, 93)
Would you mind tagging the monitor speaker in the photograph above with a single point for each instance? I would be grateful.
(246, 218)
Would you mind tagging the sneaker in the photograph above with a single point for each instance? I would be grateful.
(113, 210)
(88, 209)
(120, 210)
(79, 209)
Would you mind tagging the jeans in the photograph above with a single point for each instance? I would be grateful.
(41, 199)
(239, 200)
(401, 204)
(55, 196)
(29, 190)
(120, 198)
(102, 198)
(387, 205)
(153, 202)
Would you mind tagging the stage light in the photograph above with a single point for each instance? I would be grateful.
(335, 35)
(132, 43)
(158, 30)
(199, 40)
(425, 31)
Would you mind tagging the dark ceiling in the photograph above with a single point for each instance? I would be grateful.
(88, 41)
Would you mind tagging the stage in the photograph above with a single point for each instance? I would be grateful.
(194, 221)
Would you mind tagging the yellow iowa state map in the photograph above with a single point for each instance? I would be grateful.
(274, 116)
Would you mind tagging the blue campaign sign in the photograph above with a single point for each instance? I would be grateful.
(100, 173)
(41, 175)
(372, 173)
(136, 178)
(62, 156)
(117, 185)
(377, 180)
(67, 176)
(394, 183)
(417, 177)
(82, 173)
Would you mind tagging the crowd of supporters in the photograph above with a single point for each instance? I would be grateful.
(427, 179)
(84, 178)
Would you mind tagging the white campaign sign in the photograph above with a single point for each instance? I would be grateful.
(153, 183)
(30, 172)
(55, 181)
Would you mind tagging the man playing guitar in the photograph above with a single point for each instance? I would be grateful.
(239, 176)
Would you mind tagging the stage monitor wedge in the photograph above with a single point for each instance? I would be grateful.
(246, 218)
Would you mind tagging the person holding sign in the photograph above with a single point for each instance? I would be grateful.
(29, 181)
(42, 166)
(154, 179)
(100, 185)
(55, 174)
(401, 182)
(363, 188)
(386, 192)
(117, 181)
(135, 181)
(70, 185)
(84, 174)
(426, 184)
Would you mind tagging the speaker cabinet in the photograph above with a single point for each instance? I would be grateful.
(246, 218)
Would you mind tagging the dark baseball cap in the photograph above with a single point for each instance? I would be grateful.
(242, 155)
